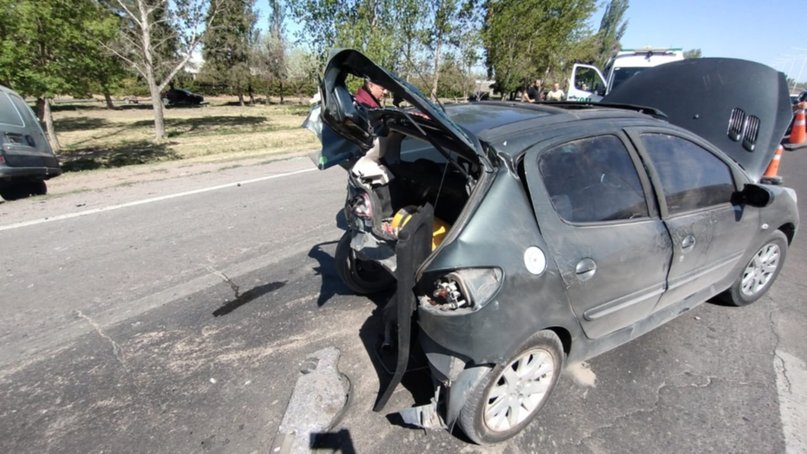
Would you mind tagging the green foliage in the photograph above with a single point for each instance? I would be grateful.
(525, 40)
(612, 28)
(227, 45)
(384, 30)
(51, 47)
(692, 53)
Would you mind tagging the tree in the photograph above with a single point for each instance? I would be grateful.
(158, 40)
(48, 49)
(612, 28)
(107, 71)
(269, 53)
(692, 53)
(443, 24)
(366, 25)
(408, 34)
(228, 44)
(525, 40)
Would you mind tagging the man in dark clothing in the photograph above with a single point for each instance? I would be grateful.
(535, 92)
(369, 95)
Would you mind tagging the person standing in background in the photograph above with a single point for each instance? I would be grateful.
(556, 94)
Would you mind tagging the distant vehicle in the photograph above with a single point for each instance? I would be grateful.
(26, 159)
(181, 97)
(587, 83)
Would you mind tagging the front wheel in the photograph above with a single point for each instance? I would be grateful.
(511, 394)
(759, 273)
(362, 276)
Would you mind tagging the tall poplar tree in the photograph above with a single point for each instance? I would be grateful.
(612, 27)
(527, 40)
(227, 46)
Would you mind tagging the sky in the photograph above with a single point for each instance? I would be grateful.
(772, 32)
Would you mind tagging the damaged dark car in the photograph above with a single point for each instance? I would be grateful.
(520, 238)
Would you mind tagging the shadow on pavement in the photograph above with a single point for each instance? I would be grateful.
(246, 297)
(340, 441)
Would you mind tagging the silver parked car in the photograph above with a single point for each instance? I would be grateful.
(522, 237)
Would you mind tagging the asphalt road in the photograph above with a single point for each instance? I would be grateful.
(175, 318)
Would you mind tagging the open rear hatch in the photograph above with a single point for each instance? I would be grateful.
(348, 130)
(740, 106)
(345, 120)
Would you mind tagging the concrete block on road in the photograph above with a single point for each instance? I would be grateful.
(317, 402)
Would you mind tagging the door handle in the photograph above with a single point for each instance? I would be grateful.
(585, 269)
(688, 242)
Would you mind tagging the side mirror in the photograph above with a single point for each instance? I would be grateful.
(600, 91)
(754, 195)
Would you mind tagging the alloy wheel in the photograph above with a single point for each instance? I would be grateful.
(519, 390)
(760, 270)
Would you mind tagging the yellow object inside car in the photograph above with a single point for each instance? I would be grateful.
(439, 227)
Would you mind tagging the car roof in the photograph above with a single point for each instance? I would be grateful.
(493, 121)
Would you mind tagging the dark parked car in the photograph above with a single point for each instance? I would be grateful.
(522, 237)
(26, 159)
(175, 97)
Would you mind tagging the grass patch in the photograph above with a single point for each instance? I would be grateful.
(94, 137)
(124, 154)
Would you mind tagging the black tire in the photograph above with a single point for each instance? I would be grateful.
(38, 187)
(479, 419)
(15, 191)
(759, 273)
(361, 276)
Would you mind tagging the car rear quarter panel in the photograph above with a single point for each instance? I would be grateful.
(501, 229)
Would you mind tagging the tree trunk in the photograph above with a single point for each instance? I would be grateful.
(46, 116)
(437, 49)
(157, 105)
(240, 99)
(108, 99)
(281, 91)
(251, 94)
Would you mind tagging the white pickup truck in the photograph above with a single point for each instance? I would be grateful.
(587, 83)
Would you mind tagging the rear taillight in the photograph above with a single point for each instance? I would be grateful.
(469, 289)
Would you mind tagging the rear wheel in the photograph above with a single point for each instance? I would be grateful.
(38, 187)
(22, 189)
(362, 276)
(511, 394)
(759, 273)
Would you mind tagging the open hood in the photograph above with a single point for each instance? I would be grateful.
(740, 106)
(360, 125)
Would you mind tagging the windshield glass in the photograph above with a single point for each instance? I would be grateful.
(623, 74)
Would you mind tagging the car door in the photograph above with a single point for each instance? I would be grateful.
(612, 249)
(586, 84)
(709, 233)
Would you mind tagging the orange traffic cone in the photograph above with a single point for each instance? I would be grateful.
(771, 175)
(798, 134)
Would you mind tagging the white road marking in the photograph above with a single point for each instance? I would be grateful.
(151, 200)
(791, 383)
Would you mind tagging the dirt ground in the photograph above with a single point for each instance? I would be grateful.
(93, 137)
